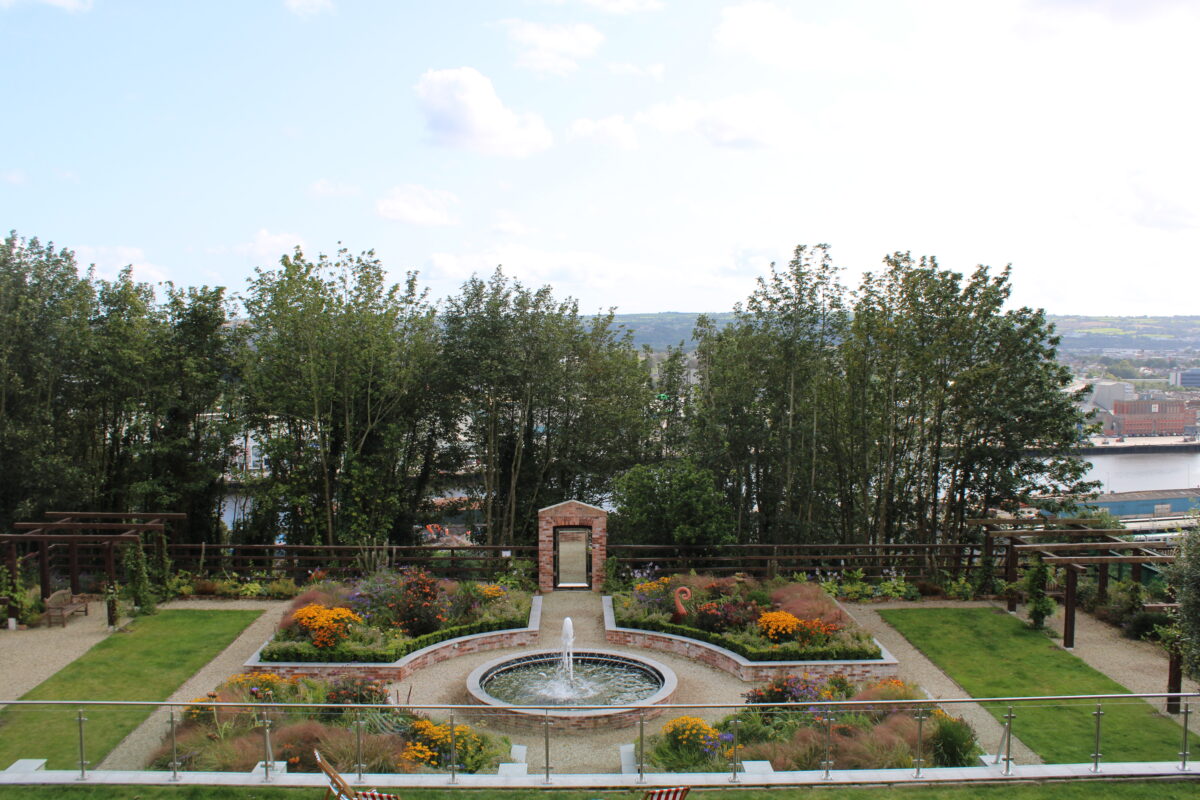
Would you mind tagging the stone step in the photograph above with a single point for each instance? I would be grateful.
(27, 765)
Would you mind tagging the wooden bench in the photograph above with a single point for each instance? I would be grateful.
(62, 604)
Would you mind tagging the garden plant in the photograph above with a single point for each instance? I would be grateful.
(774, 620)
(387, 615)
(793, 737)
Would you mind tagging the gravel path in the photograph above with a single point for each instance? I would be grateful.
(29, 657)
(585, 751)
(135, 750)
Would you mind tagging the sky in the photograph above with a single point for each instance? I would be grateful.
(647, 155)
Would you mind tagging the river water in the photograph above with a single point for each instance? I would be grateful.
(1129, 472)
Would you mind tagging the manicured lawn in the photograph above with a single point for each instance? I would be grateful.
(1078, 790)
(148, 661)
(993, 654)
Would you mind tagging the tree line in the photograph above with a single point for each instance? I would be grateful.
(891, 412)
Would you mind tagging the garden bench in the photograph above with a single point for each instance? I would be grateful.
(340, 790)
(62, 604)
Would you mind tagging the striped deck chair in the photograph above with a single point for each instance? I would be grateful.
(340, 790)
(674, 793)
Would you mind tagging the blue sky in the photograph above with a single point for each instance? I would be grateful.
(652, 155)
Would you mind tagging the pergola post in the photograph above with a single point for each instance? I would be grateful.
(44, 568)
(73, 566)
(1174, 678)
(1069, 602)
(1102, 582)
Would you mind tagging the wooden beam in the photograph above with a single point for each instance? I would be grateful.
(90, 526)
(1159, 607)
(1081, 560)
(1031, 522)
(64, 538)
(116, 514)
(1071, 534)
(1059, 547)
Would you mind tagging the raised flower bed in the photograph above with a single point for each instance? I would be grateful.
(755, 630)
(387, 625)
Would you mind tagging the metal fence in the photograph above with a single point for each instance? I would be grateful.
(546, 753)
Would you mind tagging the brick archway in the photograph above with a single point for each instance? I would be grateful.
(571, 514)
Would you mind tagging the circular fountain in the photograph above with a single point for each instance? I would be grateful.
(534, 686)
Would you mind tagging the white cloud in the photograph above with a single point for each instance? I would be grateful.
(324, 187)
(308, 8)
(655, 71)
(771, 34)
(418, 205)
(16, 177)
(109, 260)
(554, 49)
(758, 119)
(624, 6)
(614, 130)
(509, 224)
(615, 6)
(462, 110)
(65, 5)
(268, 247)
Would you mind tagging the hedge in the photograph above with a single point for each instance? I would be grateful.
(349, 652)
(791, 651)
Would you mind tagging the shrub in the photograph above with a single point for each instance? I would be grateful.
(1037, 604)
(808, 600)
(952, 743)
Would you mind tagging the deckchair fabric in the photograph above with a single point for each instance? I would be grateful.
(340, 790)
(674, 793)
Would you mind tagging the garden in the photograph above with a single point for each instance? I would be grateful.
(390, 614)
(215, 736)
(862, 735)
(771, 620)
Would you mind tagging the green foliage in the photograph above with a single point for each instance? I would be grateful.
(138, 580)
(393, 650)
(1186, 580)
(953, 742)
(857, 648)
(1037, 605)
(675, 502)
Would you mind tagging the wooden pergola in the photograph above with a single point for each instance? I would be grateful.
(107, 529)
(1097, 548)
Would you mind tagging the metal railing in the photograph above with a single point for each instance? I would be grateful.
(830, 722)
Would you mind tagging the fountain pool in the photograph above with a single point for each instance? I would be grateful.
(550, 679)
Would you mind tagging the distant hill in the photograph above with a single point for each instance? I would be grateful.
(667, 328)
(1128, 333)
(1079, 333)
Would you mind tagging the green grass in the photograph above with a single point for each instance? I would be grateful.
(148, 661)
(993, 654)
(1077, 790)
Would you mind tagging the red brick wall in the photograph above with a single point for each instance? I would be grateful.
(571, 514)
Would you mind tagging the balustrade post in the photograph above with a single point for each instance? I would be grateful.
(268, 752)
(174, 746)
(453, 752)
(827, 764)
(1183, 750)
(1098, 713)
(919, 761)
(83, 762)
(641, 746)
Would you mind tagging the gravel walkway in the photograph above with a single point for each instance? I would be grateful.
(585, 751)
(135, 750)
(29, 657)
